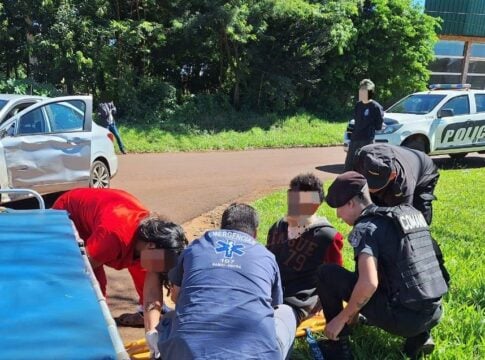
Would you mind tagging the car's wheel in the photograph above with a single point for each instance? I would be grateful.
(99, 177)
(458, 156)
(417, 143)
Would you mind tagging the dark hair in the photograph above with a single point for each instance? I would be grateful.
(240, 217)
(165, 234)
(307, 182)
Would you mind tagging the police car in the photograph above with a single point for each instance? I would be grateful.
(448, 119)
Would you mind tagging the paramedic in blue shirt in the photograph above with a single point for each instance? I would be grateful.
(228, 297)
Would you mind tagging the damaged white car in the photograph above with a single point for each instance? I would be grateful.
(53, 145)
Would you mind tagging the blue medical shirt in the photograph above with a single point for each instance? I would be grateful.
(229, 285)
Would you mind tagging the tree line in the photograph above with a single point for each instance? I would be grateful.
(150, 56)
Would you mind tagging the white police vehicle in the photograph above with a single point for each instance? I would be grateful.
(447, 119)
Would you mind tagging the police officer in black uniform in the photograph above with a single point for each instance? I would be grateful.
(398, 175)
(398, 283)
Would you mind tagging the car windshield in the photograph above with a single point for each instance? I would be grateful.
(2, 103)
(416, 104)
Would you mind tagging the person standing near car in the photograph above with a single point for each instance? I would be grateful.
(368, 117)
(107, 110)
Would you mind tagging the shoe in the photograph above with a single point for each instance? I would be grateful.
(131, 320)
(336, 350)
(421, 344)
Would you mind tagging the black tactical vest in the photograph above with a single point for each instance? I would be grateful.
(421, 278)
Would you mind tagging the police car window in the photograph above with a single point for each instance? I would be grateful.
(416, 104)
(66, 116)
(459, 105)
(2, 103)
(480, 101)
(32, 123)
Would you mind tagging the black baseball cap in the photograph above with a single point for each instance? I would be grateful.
(344, 188)
(377, 167)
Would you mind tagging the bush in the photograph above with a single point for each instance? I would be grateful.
(27, 87)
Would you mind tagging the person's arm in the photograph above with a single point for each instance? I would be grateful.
(363, 290)
(378, 117)
(152, 300)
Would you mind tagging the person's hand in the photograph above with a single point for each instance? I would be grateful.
(152, 342)
(334, 327)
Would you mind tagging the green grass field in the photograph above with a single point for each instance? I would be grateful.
(293, 131)
(459, 227)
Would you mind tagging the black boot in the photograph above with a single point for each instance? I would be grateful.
(421, 344)
(336, 350)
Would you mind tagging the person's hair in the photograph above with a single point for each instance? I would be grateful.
(368, 85)
(241, 217)
(307, 182)
(364, 196)
(163, 233)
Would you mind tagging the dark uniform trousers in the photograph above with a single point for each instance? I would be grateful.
(354, 146)
(335, 284)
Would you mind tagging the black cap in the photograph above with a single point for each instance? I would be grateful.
(344, 188)
(377, 168)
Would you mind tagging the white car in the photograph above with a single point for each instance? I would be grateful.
(449, 119)
(54, 145)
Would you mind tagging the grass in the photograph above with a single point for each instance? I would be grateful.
(292, 131)
(458, 226)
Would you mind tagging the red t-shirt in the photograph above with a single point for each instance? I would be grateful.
(106, 220)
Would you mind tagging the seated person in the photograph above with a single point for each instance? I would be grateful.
(301, 242)
(226, 285)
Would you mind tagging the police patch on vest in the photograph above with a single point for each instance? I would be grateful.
(358, 233)
(412, 221)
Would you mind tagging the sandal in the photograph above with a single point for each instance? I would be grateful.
(130, 320)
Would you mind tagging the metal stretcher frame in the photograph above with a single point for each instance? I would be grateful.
(51, 306)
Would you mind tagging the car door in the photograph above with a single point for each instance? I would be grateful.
(477, 134)
(50, 149)
(451, 130)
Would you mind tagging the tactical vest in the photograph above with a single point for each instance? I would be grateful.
(420, 274)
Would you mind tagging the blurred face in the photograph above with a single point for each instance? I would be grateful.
(158, 260)
(303, 202)
(363, 95)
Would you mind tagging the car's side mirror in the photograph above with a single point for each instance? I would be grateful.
(445, 113)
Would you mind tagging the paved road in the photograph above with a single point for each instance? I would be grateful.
(185, 185)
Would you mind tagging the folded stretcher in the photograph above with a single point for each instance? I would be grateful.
(51, 304)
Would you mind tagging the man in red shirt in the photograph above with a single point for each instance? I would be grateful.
(116, 228)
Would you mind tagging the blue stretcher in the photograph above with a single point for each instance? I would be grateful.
(51, 306)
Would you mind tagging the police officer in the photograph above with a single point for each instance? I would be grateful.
(398, 283)
(398, 175)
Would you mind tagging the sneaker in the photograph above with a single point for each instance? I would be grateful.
(419, 345)
(336, 350)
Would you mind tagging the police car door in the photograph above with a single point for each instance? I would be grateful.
(453, 125)
(478, 133)
(48, 146)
